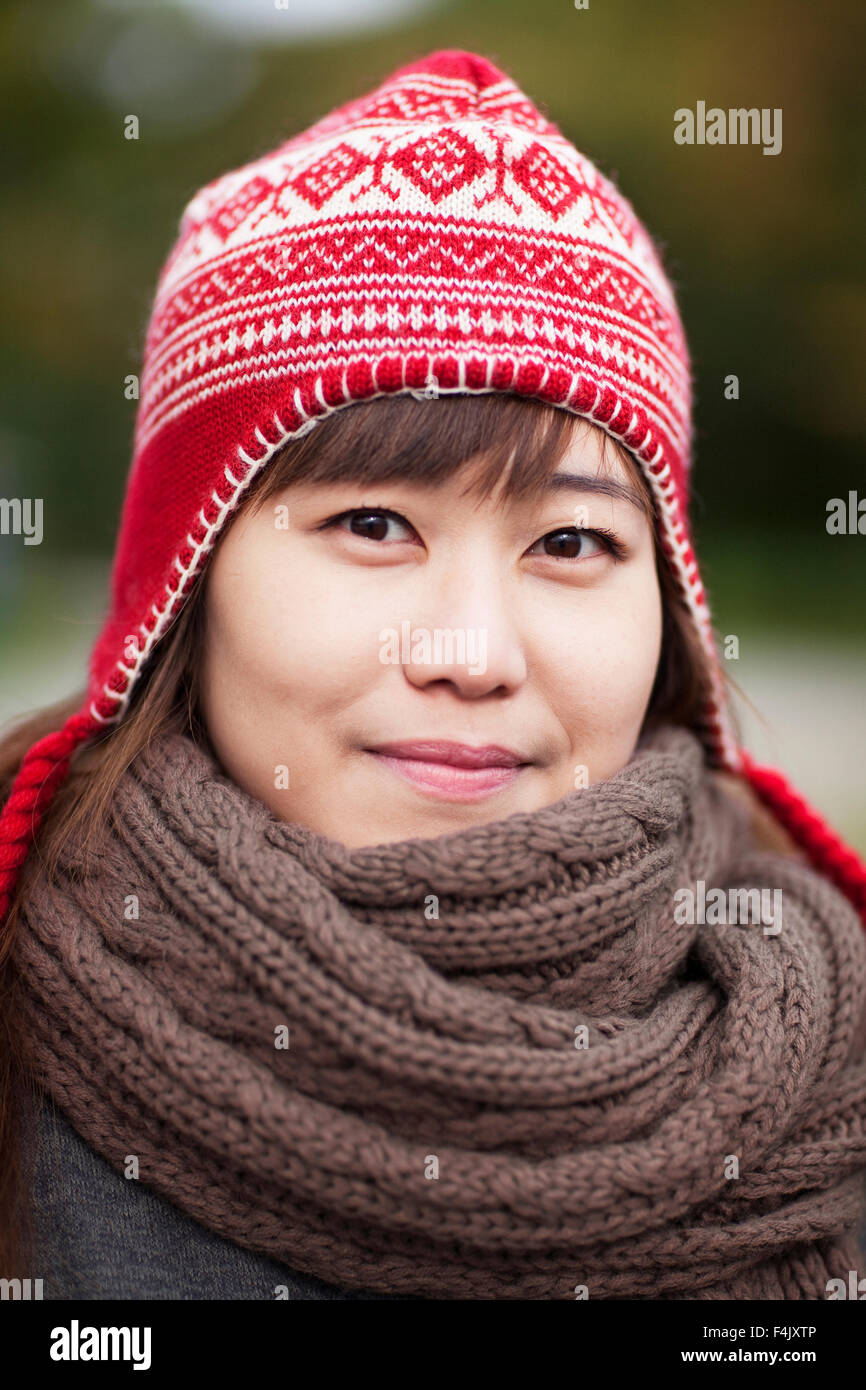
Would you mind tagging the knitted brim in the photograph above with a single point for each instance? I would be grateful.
(438, 232)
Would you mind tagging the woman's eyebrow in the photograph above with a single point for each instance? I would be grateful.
(588, 482)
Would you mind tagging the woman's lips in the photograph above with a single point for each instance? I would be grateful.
(452, 771)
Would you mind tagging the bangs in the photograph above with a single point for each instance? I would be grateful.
(500, 439)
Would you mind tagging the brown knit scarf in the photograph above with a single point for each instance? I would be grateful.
(511, 1072)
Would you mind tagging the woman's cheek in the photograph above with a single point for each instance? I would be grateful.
(630, 663)
(313, 650)
(610, 654)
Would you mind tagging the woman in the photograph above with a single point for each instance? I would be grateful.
(406, 919)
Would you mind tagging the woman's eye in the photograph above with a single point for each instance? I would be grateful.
(570, 544)
(373, 525)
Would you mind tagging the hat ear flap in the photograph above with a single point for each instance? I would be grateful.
(826, 850)
(42, 769)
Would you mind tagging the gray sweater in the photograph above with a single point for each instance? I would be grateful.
(101, 1236)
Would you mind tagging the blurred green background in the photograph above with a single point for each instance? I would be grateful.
(766, 253)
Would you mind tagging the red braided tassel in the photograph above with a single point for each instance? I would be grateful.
(42, 769)
(827, 851)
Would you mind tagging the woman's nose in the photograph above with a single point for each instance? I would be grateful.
(465, 633)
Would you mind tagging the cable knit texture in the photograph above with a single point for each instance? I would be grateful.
(510, 1072)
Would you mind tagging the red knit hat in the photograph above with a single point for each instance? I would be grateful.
(439, 231)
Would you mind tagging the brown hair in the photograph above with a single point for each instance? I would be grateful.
(511, 437)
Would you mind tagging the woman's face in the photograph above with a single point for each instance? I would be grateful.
(357, 633)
